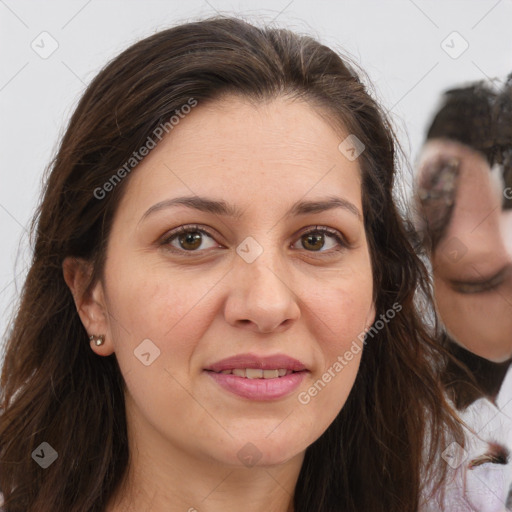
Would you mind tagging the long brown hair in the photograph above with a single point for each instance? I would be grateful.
(56, 390)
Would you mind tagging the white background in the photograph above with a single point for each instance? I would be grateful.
(397, 42)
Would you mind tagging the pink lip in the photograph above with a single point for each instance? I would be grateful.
(258, 389)
(262, 362)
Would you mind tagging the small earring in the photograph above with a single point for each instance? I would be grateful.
(98, 340)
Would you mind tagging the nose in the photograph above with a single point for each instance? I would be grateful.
(260, 298)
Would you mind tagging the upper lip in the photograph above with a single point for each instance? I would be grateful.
(273, 362)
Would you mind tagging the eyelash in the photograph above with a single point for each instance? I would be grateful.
(469, 288)
(343, 244)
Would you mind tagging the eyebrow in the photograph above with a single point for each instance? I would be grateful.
(208, 205)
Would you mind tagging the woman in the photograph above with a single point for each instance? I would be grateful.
(217, 235)
(464, 179)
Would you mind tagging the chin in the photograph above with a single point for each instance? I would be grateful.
(501, 357)
(499, 354)
(262, 452)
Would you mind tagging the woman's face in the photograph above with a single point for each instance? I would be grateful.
(472, 264)
(247, 288)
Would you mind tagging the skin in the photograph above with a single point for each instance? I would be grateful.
(184, 430)
(473, 290)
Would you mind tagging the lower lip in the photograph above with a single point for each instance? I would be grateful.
(259, 389)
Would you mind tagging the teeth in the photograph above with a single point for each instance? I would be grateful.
(256, 373)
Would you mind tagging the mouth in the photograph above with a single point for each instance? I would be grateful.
(257, 373)
(252, 366)
(258, 378)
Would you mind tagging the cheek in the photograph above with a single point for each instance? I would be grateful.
(169, 309)
(344, 304)
(340, 314)
(156, 300)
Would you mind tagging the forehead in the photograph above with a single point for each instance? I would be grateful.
(268, 151)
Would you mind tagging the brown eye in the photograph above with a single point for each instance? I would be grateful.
(190, 241)
(315, 240)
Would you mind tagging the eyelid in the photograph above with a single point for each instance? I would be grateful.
(186, 228)
(480, 285)
(334, 233)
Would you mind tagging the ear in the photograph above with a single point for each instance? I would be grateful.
(89, 300)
